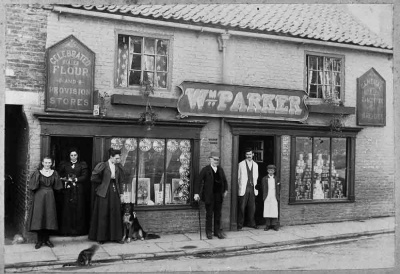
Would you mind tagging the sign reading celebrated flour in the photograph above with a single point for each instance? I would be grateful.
(70, 77)
(371, 99)
(221, 100)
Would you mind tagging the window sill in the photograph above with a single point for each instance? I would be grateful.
(336, 201)
(331, 109)
(137, 100)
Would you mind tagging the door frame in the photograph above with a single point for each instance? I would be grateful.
(235, 164)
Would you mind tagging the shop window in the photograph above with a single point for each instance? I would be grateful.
(157, 171)
(325, 77)
(321, 169)
(142, 60)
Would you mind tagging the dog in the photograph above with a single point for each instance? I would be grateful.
(132, 228)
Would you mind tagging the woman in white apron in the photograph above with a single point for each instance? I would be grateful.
(271, 189)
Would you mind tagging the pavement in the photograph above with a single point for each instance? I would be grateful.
(21, 257)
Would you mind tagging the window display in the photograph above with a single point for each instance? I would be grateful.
(320, 171)
(157, 171)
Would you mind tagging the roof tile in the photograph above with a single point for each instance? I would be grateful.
(314, 21)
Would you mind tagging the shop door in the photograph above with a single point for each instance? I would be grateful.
(264, 154)
(60, 147)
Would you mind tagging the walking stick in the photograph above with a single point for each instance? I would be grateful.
(198, 206)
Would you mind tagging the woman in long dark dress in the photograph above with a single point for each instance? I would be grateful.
(75, 174)
(43, 214)
(106, 221)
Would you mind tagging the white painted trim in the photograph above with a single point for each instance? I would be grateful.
(218, 30)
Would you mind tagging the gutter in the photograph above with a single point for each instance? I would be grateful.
(217, 30)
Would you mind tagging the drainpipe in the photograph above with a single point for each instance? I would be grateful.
(222, 46)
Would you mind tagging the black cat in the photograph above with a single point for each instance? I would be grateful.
(132, 228)
(84, 257)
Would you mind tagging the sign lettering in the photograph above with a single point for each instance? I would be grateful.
(371, 99)
(70, 74)
(219, 100)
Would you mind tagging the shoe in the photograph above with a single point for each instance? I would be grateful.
(38, 245)
(101, 242)
(266, 228)
(209, 236)
(220, 236)
(255, 226)
(276, 228)
(49, 244)
(119, 242)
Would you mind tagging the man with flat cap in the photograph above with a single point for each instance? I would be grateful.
(212, 186)
(271, 189)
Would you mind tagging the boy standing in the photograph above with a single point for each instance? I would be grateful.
(271, 189)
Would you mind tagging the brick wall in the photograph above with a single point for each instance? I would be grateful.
(196, 57)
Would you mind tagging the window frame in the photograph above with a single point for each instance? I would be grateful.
(191, 168)
(350, 169)
(342, 75)
(168, 37)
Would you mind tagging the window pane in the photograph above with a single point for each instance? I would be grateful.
(136, 61)
(134, 78)
(129, 162)
(338, 64)
(303, 168)
(336, 77)
(178, 170)
(313, 76)
(148, 76)
(313, 91)
(151, 172)
(162, 47)
(136, 44)
(319, 91)
(148, 63)
(319, 63)
(312, 62)
(161, 80)
(338, 166)
(328, 64)
(321, 158)
(149, 44)
(337, 92)
(122, 61)
(328, 78)
(161, 63)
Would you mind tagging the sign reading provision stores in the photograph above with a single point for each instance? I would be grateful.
(221, 100)
(70, 77)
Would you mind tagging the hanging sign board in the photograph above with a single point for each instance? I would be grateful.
(371, 99)
(221, 100)
(70, 77)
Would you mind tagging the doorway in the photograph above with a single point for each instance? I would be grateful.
(60, 146)
(264, 154)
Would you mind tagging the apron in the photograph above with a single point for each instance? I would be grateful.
(270, 203)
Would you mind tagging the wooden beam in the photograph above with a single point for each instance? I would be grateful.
(135, 100)
(330, 109)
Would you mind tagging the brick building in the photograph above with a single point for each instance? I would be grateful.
(336, 161)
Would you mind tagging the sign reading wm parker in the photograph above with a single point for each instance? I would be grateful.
(221, 100)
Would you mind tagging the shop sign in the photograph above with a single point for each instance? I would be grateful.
(70, 77)
(221, 100)
(371, 99)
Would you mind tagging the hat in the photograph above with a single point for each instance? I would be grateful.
(214, 155)
(271, 167)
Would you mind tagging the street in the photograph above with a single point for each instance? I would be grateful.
(366, 252)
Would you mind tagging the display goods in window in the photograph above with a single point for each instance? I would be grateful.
(130, 144)
(145, 144)
(184, 145)
(172, 145)
(117, 143)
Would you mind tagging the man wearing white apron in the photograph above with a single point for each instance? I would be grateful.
(271, 189)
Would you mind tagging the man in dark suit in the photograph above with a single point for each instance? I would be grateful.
(213, 187)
